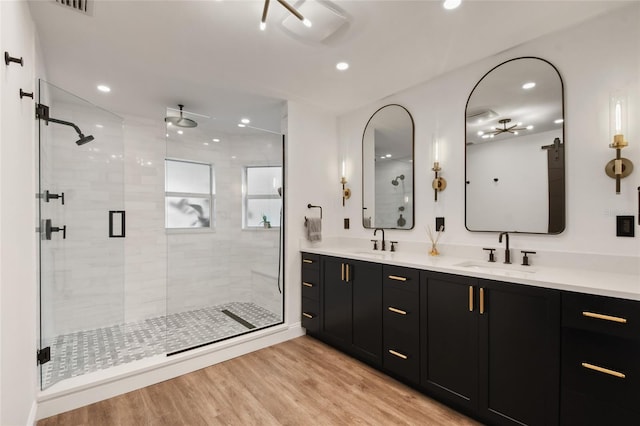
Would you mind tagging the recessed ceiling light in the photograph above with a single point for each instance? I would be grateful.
(99, 126)
(167, 135)
(529, 85)
(233, 157)
(242, 125)
(529, 127)
(451, 4)
(480, 133)
(515, 133)
(103, 88)
(180, 132)
(216, 140)
(486, 136)
(205, 143)
(388, 155)
(341, 66)
(382, 157)
(245, 121)
(559, 120)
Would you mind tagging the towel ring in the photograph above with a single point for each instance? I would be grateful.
(311, 206)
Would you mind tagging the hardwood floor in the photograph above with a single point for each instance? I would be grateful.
(299, 382)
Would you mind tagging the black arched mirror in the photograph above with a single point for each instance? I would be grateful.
(387, 169)
(514, 163)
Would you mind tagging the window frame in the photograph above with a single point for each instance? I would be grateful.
(210, 195)
(246, 196)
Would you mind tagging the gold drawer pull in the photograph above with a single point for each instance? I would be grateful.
(397, 311)
(307, 315)
(481, 300)
(397, 278)
(307, 261)
(398, 354)
(604, 317)
(307, 284)
(470, 298)
(603, 370)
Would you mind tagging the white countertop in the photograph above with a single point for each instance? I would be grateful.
(625, 284)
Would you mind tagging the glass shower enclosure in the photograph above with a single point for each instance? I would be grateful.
(196, 257)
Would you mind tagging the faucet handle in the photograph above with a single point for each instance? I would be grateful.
(525, 258)
(375, 244)
(393, 247)
(492, 257)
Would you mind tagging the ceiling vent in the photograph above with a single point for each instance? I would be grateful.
(83, 6)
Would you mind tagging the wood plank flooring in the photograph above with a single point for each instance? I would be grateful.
(299, 382)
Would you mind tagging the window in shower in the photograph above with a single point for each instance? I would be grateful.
(189, 194)
(262, 197)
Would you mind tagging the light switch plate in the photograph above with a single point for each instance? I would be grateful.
(624, 226)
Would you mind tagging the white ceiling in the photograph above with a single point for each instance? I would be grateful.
(212, 57)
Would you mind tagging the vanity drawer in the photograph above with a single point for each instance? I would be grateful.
(311, 315)
(310, 261)
(401, 311)
(401, 354)
(617, 317)
(401, 278)
(579, 409)
(311, 284)
(604, 367)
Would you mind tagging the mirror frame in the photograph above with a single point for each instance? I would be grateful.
(413, 169)
(564, 186)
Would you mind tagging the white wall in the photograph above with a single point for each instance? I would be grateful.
(593, 61)
(313, 177)
(18, 290)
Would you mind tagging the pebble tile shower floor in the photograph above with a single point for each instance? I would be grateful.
(91, 350)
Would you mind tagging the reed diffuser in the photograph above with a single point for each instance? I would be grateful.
(434, 249)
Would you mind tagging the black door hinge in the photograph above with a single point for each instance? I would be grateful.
(44, 355)
(42, 112)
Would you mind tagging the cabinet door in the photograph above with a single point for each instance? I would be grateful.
(519, 354)
(337, 312)
(366, 282)
(449, 335)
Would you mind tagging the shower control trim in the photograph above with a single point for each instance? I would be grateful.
(49, 196)
(49, 229)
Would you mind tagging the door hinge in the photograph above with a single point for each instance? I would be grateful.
(44, 355)
(42, 112)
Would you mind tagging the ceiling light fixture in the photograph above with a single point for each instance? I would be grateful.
(291, 9)
(451, 4)
(103, 88)
(216, 140)
(342, 66)
(529, 85)
(242, 125)
(512, 129)
(245, 121)
(559, 120)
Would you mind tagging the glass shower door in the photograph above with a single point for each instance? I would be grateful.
(82, 229)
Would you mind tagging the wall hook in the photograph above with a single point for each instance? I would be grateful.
(27, 94)
(8, 59)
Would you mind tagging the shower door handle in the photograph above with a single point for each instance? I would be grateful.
(116, 230)
(48, 230)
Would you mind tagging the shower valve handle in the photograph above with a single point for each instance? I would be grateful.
(48, 230)
(49, 196)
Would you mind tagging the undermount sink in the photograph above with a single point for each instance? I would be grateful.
(380, 255)
(500, 269)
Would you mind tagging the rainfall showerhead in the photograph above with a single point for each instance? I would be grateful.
(180, 121)
(395, 181)
(84, 139)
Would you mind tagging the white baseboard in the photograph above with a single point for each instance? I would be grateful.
(84, 390)
(31, 420)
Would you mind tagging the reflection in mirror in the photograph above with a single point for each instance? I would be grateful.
(387, 169)
(515, 150)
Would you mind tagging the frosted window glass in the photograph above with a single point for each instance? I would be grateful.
(193, 178)
(188, 212)
(263, 180)
(256, 208)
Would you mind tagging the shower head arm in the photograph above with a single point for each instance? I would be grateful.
(66, 123)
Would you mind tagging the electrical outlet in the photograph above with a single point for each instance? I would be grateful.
(439, 223)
